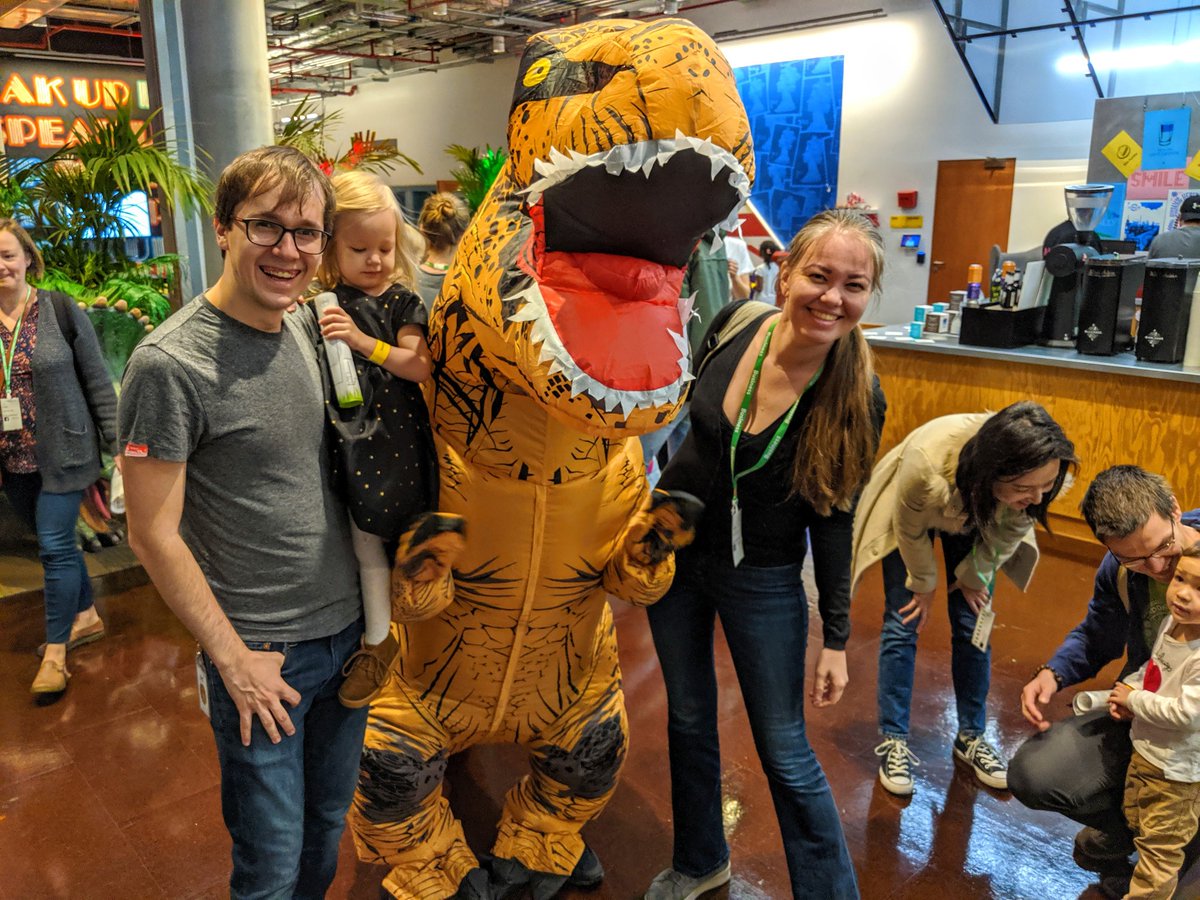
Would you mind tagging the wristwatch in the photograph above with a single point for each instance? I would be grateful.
(1045, 667)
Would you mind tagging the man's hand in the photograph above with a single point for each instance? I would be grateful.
(916, 609)
(1118, 702)
(830, 679)
(257, 689)
(1034, 697)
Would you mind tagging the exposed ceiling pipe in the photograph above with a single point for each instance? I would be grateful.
(324, 93)
(305, 51)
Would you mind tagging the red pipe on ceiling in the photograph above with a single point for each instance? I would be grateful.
(373, 56)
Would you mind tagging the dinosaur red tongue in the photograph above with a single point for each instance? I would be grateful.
(614, 315)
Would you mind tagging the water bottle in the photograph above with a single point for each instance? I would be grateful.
(341, 360)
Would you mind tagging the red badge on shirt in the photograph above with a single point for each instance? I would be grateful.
(1153, 680)
(139, 451)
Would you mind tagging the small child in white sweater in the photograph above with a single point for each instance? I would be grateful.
(1162, 786)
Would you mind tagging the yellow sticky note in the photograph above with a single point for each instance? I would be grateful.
(1124, 153)
(907, 221)
(1193, 169)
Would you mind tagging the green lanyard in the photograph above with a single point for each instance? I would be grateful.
(11, 353)
(744, 414)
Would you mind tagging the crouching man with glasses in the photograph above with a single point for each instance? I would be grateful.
(1077, 765)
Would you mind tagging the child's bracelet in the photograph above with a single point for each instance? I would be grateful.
(380, 353)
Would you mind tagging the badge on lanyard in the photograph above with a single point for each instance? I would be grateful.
(739, 550)
(983, 628)
(10, 406)
(10, 414)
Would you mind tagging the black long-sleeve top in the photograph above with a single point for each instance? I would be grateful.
(776, 525)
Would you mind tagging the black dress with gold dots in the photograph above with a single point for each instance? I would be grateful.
(383, 449)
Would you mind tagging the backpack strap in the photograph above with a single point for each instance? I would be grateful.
(1123, 586)
(729, 326)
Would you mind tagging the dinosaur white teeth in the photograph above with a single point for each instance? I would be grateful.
(718, 165)
(648, 165)
(687, 309)
(682, 343)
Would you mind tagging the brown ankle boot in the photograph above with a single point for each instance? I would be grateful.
(51, 678)
(366, 672)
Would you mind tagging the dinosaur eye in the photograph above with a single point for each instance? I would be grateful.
(548, 74)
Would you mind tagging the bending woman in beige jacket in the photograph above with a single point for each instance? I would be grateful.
(978, 481)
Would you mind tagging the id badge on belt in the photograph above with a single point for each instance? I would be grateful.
(10, 414)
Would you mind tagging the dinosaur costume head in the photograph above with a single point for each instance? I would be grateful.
(627, 142)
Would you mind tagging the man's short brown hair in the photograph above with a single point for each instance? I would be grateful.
(256, 172)
(1121, 500)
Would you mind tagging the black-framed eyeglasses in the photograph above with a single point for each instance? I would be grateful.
(265, 233)
(1157, 554)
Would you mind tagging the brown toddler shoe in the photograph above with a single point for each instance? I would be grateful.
(367, 671)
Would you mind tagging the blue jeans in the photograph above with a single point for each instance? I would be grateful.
(68, 588)
(764, 615)
(970, 670)
(285, 804)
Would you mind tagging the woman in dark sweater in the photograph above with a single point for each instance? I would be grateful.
(58, 405)
(792, 405)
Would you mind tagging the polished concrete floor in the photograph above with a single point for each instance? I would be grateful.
(112, 790)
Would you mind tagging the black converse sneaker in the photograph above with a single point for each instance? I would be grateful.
(896, 762)
(989, 766)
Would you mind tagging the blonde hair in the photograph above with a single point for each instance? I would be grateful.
(35, 266)
(444, 218)
(839, 439)
(361, 192)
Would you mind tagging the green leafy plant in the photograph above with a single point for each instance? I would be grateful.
(477, 170)
(306, 131)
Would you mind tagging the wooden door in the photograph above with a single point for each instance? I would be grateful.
(971, 212)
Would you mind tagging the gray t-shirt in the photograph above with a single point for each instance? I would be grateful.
(245, 410)
(1183, 241)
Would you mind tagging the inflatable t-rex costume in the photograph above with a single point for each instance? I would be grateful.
(559, 332)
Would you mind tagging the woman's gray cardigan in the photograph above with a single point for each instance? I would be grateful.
(75, 400)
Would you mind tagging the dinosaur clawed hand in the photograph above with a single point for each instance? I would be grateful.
(422, 582)
(667, 524)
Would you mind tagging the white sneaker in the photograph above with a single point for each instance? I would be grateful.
(896, 765)
(984, 759)
(672, 885)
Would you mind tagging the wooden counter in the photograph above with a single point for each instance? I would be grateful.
(1114, 409)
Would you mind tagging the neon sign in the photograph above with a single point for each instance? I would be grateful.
(44, 105)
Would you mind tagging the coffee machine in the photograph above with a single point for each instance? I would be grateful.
(1085, 208)
(1108, 304)
(1166, 307)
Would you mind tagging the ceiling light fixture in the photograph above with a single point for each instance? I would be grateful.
(497, 43)
(1147, 56)
(438, 9)
(670, 7)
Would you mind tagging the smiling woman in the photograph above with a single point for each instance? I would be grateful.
(980, 482)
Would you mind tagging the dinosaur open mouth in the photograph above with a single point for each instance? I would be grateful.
(612, 233)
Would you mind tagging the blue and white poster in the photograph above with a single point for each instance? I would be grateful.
(1110, 225)
(795, 111)
(1164, 138)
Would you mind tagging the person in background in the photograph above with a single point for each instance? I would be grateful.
(762, 279)
(370, 269)
(979, 482)
(1077, 766)
(444, 218)
(231, 509)
(1184, 239)
(1162, 784)
(58, 409)
(706, 279)
(786, 417)
(740, 266)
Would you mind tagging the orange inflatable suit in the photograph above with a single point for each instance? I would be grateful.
(558, 335)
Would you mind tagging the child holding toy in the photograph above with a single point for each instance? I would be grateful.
(384, 448)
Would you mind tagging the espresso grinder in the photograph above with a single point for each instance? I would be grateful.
(1065, 263)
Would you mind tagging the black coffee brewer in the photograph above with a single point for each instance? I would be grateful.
(1166, 307)
(1085, 208)
(1110, 287)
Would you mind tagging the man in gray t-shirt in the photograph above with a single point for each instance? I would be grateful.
(1184, 239)
(230, 510)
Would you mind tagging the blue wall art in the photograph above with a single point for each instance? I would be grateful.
(795, 111)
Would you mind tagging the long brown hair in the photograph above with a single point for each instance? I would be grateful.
(839, 439)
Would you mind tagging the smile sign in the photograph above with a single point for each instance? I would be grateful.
(44, 103)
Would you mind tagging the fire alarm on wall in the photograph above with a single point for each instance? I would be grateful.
(906, 199)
